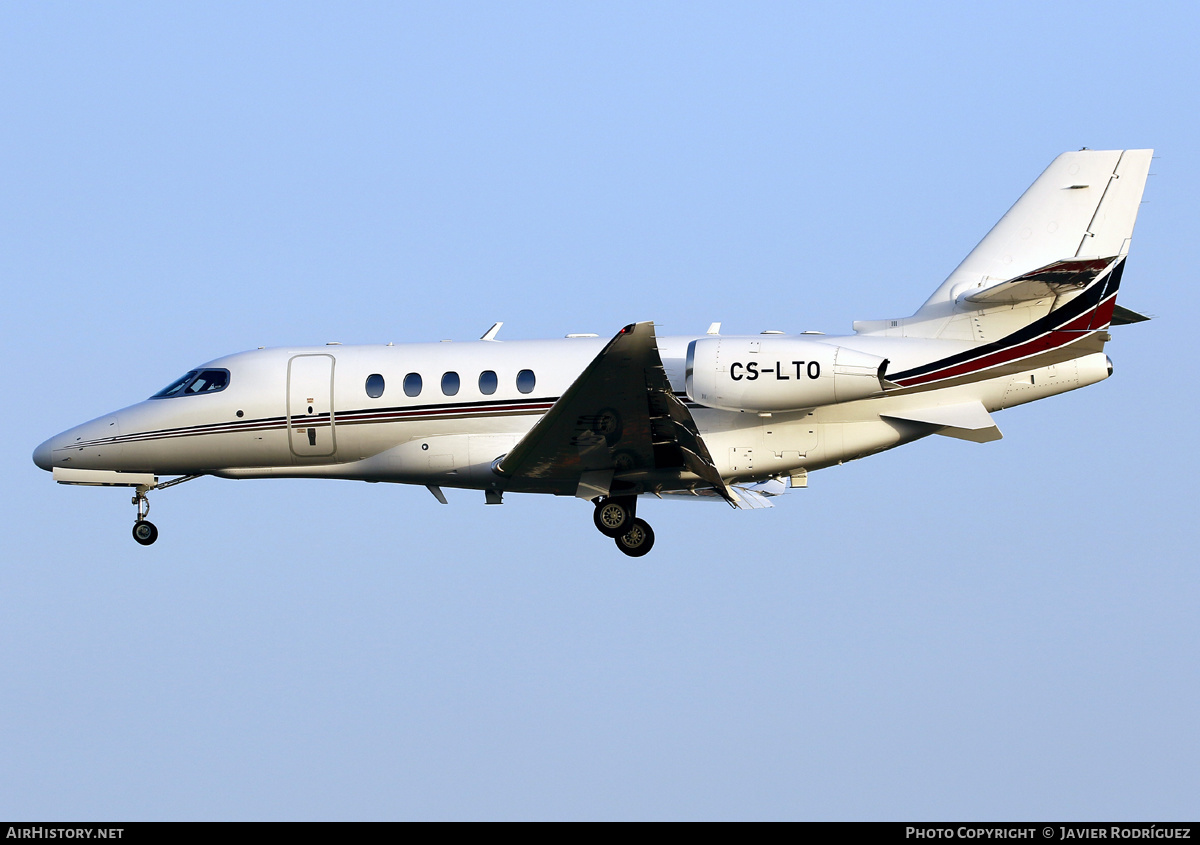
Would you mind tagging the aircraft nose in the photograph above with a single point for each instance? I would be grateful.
(43, 454)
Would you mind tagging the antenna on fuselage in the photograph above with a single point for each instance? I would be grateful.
(490, 334)
(715, 328)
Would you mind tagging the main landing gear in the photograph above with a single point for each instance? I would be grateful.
(615, 517)
(145, 532)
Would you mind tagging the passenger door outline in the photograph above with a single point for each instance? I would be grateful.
(310, 417)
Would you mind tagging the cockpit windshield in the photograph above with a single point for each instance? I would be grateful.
(197, 381)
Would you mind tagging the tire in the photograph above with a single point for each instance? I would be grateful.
(611, 517)
(638, 540)
(144, 532)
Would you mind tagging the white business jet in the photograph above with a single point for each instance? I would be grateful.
(711, 417)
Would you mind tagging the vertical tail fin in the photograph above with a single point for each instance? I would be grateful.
(1082, 207)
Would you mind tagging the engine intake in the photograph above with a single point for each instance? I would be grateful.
(766, 375)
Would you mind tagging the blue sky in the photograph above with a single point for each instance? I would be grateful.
(949, 630)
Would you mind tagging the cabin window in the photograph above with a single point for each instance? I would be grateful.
(525, 381)
(488, 382)
(412, 384)
(450, 383)
(197, 381)
(375, 385)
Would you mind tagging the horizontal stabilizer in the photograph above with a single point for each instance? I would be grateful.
(1126, 316)
(968, 421)
(1056, 278)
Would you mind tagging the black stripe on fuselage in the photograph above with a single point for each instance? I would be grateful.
(1091, 298)
(399, 413)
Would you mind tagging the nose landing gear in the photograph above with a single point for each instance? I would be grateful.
(145, 532)
(614, 517)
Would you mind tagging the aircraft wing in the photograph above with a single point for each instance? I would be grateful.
(618, 427)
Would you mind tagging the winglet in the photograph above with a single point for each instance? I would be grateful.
(490, 334)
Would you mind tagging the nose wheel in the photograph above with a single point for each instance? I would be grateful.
(144, 531)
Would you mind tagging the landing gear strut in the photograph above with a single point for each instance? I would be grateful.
(615, 517)
(144, 531)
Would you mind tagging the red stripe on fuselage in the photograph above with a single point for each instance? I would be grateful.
(1064, 334)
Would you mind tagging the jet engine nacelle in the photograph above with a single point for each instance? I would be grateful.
(777, 374)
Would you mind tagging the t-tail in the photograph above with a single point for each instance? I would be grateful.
(1042, 285)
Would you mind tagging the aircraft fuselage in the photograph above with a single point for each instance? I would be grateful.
(308, 412)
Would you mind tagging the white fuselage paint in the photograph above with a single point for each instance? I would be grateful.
(274, 417)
